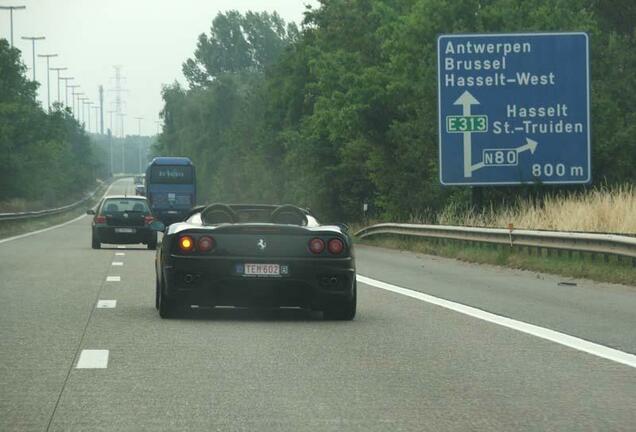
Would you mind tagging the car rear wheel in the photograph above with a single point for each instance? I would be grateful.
(152, 244)
(343, 310)
(157, 290)
(95, 243)
(167, 307)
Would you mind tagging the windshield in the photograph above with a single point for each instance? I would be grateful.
(167, 174)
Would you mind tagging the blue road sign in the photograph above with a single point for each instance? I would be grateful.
(514, 108)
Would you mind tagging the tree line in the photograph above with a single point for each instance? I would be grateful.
(45, 156)
(343, 110)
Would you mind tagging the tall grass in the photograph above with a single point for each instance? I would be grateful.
(603, 209)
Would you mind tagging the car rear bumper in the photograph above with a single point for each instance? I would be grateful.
(214, 281)
(107, 234)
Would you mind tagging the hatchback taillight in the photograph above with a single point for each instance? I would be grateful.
(100, 219)
(316, 245)
(148, 219)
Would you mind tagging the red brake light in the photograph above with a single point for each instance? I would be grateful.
(186, 244)
(206, 244)
(148, 219)
(316, 245)
(335, 246)
(100, 219)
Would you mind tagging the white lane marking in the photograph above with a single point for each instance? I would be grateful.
(118, 263)
(121, 247)
(54, 226)
(120, 253)
(531, 329)
(106, 304)
(113, 278)
(92, 359)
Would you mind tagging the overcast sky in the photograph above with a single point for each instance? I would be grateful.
(150, 39)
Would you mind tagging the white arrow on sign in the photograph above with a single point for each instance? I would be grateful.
(529, 145)
(466, 100)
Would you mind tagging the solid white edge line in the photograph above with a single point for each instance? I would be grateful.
(92, 359)
(8, 239)
(531, 329)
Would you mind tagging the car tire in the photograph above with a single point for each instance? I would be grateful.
(95, 243)
(343, 310)
(157, 289)
(167, 307)
(152, 244)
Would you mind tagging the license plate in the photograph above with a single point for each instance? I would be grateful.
(261, 269)
(125, 230)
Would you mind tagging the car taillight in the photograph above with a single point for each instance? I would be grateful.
(186, 244)
(205, 244)
(100, 219)
(335, 246)
(148, 219)
(316, 245)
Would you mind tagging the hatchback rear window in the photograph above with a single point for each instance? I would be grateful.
(125, 205)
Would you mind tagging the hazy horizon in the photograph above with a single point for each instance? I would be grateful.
(149, 39)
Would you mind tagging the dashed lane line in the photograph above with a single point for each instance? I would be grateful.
(113, 278)
(92, 359)
(106, 304)
(118, 263)
(531, 329)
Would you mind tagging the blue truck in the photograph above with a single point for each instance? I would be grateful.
(171, 188)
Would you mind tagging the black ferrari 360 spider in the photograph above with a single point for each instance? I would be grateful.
(255, 256)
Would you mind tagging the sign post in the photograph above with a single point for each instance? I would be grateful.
(514, 109)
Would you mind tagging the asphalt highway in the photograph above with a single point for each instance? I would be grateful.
(437, 345)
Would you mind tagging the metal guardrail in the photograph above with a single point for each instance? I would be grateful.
(47, 212)
(606, 244)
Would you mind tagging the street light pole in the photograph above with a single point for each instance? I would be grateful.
(33, 39)
(139, 119)
(96, 108)
(58, 69)
(111, 119)
(89, 103)
(66, 87)
(76, 107)
(48, 80)
(82, 102)
(11, 9)
(78, 94)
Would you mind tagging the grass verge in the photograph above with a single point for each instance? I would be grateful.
(22, 226)
(583, 266)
